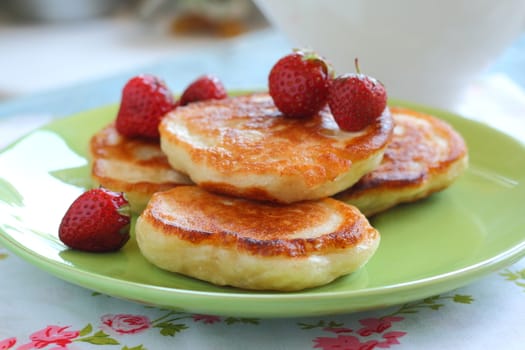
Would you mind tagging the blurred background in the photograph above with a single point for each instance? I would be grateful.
(46, 44)
(83, 51)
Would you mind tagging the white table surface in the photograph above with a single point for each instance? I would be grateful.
(85, 66)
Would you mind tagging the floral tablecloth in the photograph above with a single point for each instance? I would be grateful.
(40, 311)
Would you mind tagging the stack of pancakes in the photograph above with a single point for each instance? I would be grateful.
(238, 194)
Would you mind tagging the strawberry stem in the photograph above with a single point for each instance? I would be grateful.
(356, 63)
(310, 55)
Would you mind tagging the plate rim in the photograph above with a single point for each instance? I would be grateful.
(420, 287)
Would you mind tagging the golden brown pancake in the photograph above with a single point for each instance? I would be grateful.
(243, 146)
(136, 167)
(254, 245)
(425, 156)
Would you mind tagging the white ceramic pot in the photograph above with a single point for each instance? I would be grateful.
(422, 50)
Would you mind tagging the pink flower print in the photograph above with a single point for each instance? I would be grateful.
(207, 319)
(344, 342)
(391, 337)
(7, 343)
(376, 325)
(125, 323)
(50, 335)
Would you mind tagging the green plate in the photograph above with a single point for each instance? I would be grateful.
(475, 227)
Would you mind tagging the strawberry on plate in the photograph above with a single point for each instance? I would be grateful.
(206, 87)
(356, 100)
(97, 221)
(145, 100)
(298, 83)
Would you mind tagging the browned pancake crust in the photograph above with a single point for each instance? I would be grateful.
(416, 144)
(307, 148)
(258, 228)
(108, 144)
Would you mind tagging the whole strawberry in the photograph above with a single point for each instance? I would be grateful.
(206, 87)
(145, 100)
(356, 100)
(298, 83)
(97, 221)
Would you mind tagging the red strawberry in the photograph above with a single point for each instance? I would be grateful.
(145, 100)
(206, 87)
(97, 221)
(298, 83)
(356, 100)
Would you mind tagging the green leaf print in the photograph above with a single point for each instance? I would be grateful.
(170, 329)
(463, 299)
(517, 276)
(99, 338)
(86, 330)
(245, 320)
(138, 347)
(321, 324)
(433, 303)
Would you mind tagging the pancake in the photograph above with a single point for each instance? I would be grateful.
(426, 155)
(254, 245)
(134, 166)
(243, 146)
